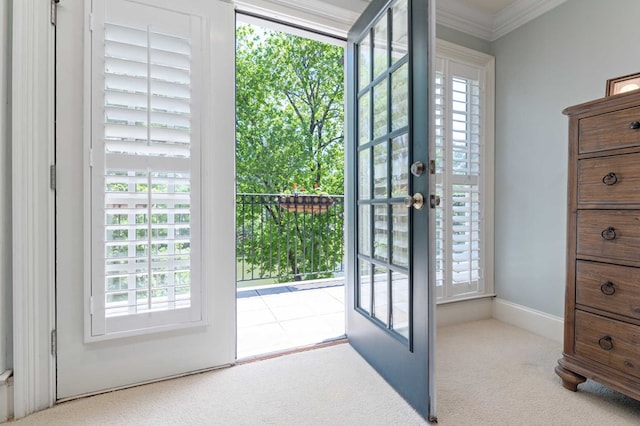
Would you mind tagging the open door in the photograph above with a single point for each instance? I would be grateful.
(390, 297)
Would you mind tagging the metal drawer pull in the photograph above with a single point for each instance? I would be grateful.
(608, 288)
(609, 234)
(610, 179)
(634, 125)
(606, 343)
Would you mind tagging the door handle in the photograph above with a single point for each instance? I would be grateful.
(417, 201)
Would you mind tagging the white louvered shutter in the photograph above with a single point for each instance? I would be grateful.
(459, 179)
(145, 173)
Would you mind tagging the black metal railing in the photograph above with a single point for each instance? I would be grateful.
(289, 237)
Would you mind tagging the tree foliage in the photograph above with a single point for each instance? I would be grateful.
(289, 130)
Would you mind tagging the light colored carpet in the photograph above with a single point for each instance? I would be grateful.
(489, 373)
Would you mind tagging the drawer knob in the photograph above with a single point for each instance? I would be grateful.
(606, 343)
(609, 234)
(608, 288)
(634, 125)
(610, 179)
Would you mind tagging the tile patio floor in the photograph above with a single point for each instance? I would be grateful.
(276, 318)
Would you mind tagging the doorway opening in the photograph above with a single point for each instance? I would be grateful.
(289, 188)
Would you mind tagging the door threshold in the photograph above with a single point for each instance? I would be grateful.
(269, 355)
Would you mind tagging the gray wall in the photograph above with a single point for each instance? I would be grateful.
(5, 188)
(462, 39)
(559, 59)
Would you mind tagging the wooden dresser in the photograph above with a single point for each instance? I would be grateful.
(602, 310)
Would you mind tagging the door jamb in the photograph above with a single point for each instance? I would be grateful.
(33, 205)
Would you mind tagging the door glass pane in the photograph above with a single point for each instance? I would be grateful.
(381, 294)
(400, 298)
(381, 233)
(400, 97)
(400, 166)
(364, 118)
(364, 174)
(400, 236)
(380, 109)
(364, 230)
(364, 287)
(380, 43)
(364, 62)
(399, 33)
(380, 169)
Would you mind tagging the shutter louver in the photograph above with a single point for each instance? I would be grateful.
(458, 180)
(147, 171)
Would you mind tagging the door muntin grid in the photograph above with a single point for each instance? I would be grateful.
(383, 133)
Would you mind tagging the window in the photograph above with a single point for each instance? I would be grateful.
(464, 176)
(145, 186)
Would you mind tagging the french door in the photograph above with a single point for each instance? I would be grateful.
(390, 297)
(145, 191)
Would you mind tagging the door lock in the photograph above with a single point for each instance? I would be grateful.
(434, 201)
(417, 168)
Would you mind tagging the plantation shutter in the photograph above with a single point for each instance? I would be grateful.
(459, 179)
(145, 174)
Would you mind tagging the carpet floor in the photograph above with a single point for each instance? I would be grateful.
(489, 373)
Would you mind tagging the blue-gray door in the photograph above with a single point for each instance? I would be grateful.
(390, 299)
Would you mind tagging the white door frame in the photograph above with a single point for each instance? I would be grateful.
(33, 215)
(33, 201)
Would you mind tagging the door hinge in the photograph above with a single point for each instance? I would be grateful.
(52, 177)
(54, 340)
(54, 12)
(432, 167)
(91, 305)
(91, 22)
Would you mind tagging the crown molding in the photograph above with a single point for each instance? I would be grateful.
(519, 13)
(479, 23)
(336, 17)
(465, 18)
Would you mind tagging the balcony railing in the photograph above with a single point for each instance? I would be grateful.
(289, 237)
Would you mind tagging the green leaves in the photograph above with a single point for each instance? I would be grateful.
(289, 130)
(289, 112)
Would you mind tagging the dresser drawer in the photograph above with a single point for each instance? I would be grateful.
(611, 234)
(609, 131)
(607, 287)
(612, 343)
(609, 180)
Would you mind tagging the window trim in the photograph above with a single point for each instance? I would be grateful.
(451, 51)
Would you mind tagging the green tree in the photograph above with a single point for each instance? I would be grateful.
(289, 130)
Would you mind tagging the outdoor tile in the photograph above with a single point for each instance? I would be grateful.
(286, 313)
(285, 299)
(250, 304)
(289, 319)
(336, 292)
(273, 290)
(261, 339)
(242, 294)
(258, 317)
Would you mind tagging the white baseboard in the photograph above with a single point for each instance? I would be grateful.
(537, 322)
(6, 395)
(464, 311)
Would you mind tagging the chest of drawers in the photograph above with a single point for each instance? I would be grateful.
(602, 302)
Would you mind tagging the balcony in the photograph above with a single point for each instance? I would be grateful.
(290, 268)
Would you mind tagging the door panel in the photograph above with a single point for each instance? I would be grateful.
(168, 335)
(390, 297)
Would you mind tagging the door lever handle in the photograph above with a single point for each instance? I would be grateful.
(417, 201)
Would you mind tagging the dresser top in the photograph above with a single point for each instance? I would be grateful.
(606, 104)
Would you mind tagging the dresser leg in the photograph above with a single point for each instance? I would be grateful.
(570, 380)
